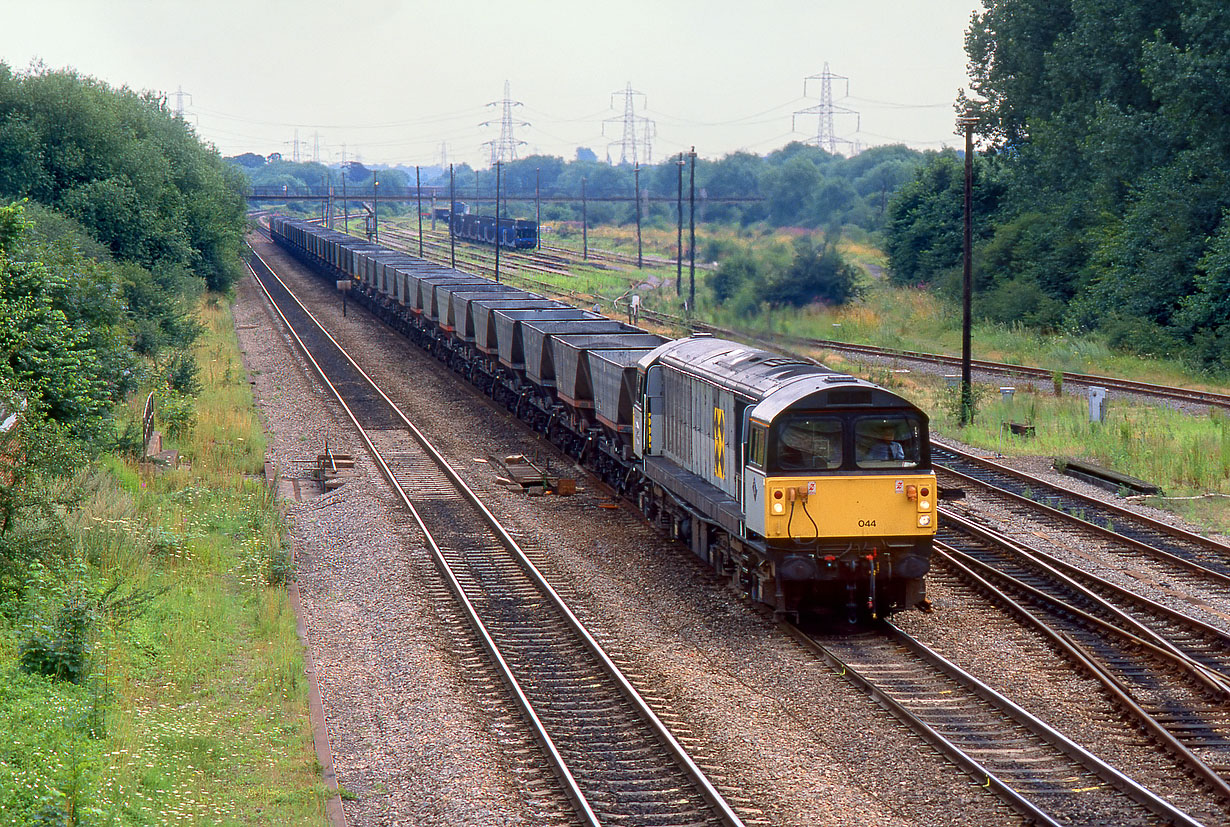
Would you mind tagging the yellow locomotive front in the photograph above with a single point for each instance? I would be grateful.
(845, 500)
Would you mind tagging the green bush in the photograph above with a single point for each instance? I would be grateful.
(61, 650)
(176, 412)
(183, 375)
(279, 569)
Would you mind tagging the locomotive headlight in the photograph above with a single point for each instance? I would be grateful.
(924, 505)
(779, 508)
(924, 520)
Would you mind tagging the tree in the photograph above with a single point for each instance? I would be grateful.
(817, 274)
(1204, 315)
(733, 274)
(248, 160)
(790, 190)
(42, 355)
(125, 167)
(924, 223)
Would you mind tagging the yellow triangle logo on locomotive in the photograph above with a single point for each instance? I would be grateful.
(719, 443)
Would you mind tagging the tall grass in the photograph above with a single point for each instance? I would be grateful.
(195, 708)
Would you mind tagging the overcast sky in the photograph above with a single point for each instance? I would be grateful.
(391, 82)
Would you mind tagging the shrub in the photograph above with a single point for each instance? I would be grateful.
(61, 650)
(183, 375)
(279, 570)
(176, 413)
(951, 400)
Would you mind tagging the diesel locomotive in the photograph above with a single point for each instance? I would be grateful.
(809, 489)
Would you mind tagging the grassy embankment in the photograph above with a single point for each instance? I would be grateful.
(194, 706)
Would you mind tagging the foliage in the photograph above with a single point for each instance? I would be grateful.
(1205, 314)
(75, 323)
(46, 357)
(183, 374)
(800, 185)
(925, 232)
(812, 274)
(61, 649)
(817, 274)
(147, 672)
(1107, 140)
(121, 164)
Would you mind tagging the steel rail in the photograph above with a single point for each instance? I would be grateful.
(1191, 395)
(1055, 739)
(1123, 623)
(1113, 685)
(1218, 550)
(1024, 371)
(1091, 583)
(721, 808)
(1093, 502)
(572, 789)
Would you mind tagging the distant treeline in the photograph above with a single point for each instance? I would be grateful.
(1103, 190)
(798, 185)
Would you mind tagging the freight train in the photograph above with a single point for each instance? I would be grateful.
(515, 233)
(808, 489)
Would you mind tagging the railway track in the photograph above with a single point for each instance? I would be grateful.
(1195, 560)
(1058, 802)
(1015, 372)
(475, 256)
(624, 260)
(1037, 771)
(1185, 636)
(616, 762)
(1176, 692)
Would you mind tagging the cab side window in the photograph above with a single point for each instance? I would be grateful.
(757, 443)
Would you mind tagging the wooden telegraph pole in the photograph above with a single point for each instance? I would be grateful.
(967, 276)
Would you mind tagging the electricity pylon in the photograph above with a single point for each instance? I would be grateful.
(826, 134)
(504, 148)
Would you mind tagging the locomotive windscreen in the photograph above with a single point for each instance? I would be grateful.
(813, 441)
(806, 442)
(887, 442)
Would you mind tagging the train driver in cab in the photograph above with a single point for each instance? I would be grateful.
(881, 441)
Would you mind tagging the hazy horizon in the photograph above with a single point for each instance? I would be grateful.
(405, 82)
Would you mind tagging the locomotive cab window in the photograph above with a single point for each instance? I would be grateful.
(806, 442)
(887, 442)
(757, 444)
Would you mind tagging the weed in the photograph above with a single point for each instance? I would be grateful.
(176, 412)
(953, 402)
(183, 375)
